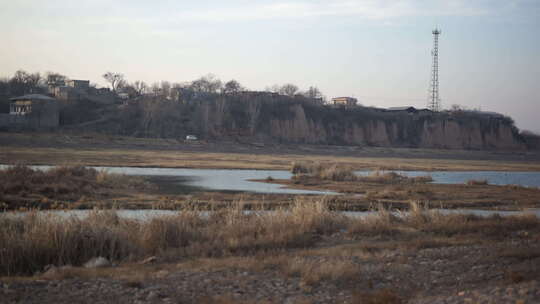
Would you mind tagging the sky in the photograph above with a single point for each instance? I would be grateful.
(377, 51)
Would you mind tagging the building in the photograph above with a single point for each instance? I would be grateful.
(81, 85)
(408, 109)
(34, 111)
(69, 89)
(344, 101)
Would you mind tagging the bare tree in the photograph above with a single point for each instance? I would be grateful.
(232, 86)
(156, 89)
(313, 92)
(33, 82)
(23, 83)
(165, 89)
(207, 84)
(115, 79)
(140, 87)
(273, 88)
(288, 89)
(176, 91)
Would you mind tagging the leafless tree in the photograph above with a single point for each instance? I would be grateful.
(156, 89)
(288, 89)
(115, 79)
(165, 89)
(140, 87)
(313, 92)
(207, 84)
(232, 86)
(24, 83)
(176, 91)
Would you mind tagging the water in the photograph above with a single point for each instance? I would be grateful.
(213, 179)
(239, 180)
(527, 179)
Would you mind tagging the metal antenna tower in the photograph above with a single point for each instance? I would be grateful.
(434, 102)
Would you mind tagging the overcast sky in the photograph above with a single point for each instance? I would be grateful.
(377, 51)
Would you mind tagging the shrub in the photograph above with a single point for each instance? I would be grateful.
(477, 182)
(331, 172)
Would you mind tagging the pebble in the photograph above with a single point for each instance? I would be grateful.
(97, 263)
(152, 296)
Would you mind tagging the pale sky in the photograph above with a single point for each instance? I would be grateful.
(377, 51)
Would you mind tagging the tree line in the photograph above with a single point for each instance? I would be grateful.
(23, 82)
(208, 84)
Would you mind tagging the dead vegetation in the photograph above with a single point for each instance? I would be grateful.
(24, 186)
(303, 171)
(418, 222)
(30, 242)
(477, 182)
(333, 172)
(383, 296)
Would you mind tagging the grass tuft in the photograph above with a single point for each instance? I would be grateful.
(477, 182)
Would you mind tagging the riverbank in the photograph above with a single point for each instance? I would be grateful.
(102, 150)
(363, 195)
(117, 191)
(307, 255)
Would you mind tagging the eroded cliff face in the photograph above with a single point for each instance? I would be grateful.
(450, 134)
(410, 130)
(288, 120)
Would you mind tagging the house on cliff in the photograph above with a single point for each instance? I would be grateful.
(34, 111)
(408, 109)
(69, 90)
(344, 101)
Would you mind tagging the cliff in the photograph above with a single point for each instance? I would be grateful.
(270, 118)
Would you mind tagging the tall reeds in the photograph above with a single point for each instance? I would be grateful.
(34, 240)
(24, 184)
(335, 172)
(31, 241)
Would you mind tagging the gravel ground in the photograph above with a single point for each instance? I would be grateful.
(458, 274)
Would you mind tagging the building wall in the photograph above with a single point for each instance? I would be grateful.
(79, 84)
(4, 120)
(44, 115)
(347, 101)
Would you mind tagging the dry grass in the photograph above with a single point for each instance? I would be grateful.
(313, 271)
(477, 182)
(340, 173)
(421, 221)
(521, 253)
(385, 177)
(383, 296)
(29, 243)
(20, 184)
(333, 172)
(228, 299)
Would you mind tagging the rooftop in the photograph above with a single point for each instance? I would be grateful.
(404, 108)
(33, 97)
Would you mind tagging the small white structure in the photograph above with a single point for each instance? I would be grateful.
(191, 137)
